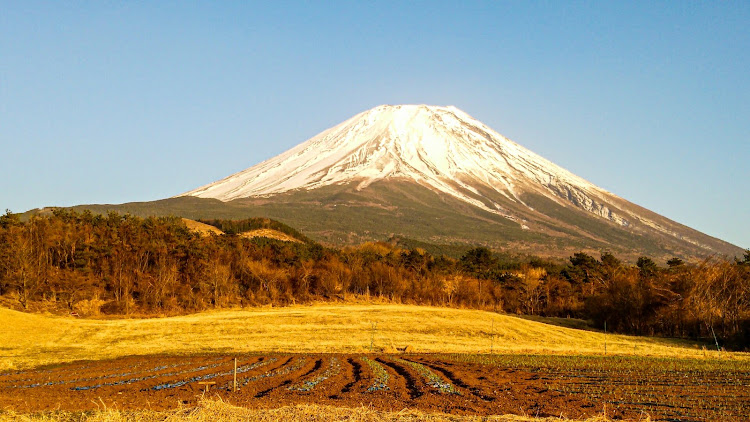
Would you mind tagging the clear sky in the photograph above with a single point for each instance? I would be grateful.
(110, 102)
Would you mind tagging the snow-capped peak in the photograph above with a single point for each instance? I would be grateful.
(441, 148)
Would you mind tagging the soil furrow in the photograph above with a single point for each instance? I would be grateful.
(411, 381)
(356, 372)
(458, 382)
(287, 379)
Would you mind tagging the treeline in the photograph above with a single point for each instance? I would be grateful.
(118, 264)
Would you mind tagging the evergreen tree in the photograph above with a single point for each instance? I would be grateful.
(675, 262)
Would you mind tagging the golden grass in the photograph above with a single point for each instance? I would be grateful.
(219, 411)
(271, 234)
(202, 228)
(30, 340)
(206, 229)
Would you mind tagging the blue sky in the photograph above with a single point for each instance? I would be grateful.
(108, 102)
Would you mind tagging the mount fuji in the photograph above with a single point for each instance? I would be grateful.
(441, 148)
(435, 175)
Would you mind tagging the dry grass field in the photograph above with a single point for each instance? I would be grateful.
(217, 410)
(31, 340)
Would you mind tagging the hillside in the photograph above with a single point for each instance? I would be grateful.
(342, 215)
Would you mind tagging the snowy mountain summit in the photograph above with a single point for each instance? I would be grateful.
(440, 148)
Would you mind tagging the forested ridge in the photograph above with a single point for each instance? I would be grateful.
(90, 265)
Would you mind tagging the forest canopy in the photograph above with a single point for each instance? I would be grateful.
(89, 264)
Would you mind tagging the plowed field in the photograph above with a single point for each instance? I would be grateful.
(451, 384)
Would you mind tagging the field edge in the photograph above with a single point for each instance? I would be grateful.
(215, 409)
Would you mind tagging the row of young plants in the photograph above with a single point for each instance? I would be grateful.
(148, 377)
(432, 379)
(240, 370)
(334, 368)
(262, 363)
(59, 373)
(380, 375)
(102, 377)
(284, 370)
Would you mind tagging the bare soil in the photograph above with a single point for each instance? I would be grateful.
(386, 382)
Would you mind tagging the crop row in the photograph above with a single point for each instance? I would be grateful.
(284, 370)
(432, 379)
(240, 370)
(60, 373)
(334, 368)
(379, 373)
(108, 376)
(147, 377)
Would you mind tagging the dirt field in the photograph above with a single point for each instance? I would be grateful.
(460, 384)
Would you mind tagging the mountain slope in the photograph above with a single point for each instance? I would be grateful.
(441, 148)
(439, 175)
